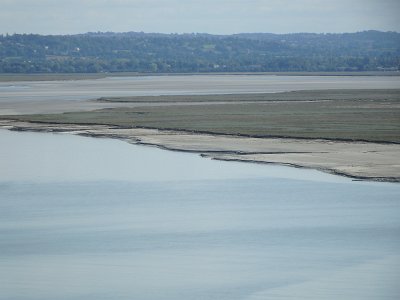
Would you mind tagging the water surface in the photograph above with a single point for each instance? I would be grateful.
(84, 218)
(185, 84)
(37, 97)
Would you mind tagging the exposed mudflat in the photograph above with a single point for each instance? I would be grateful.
(337, 124)
(54, 96)
(360, 160)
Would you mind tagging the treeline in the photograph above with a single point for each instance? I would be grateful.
(146, 52)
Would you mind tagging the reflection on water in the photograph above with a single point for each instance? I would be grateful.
(201, 230)
(47, 157)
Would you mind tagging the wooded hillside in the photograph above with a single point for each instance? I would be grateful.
(148, 52)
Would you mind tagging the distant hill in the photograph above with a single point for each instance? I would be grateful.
(172, 53)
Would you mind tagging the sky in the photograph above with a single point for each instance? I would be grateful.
(200, 16)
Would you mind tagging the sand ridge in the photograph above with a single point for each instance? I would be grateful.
(359, 160)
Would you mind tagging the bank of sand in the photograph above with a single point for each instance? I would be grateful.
(359, 160)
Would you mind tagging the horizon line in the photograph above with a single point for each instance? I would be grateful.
(197, 33)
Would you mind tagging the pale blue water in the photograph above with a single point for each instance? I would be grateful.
(182, 85)
(84, 218)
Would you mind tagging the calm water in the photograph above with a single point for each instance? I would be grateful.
(178, 85)
(84, 218)
(37, 97)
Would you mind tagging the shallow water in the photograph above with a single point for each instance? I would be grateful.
(85, 218)
(181, 85)
(38, 97)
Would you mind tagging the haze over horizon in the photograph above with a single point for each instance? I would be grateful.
(192, 16)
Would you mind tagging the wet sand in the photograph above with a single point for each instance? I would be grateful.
(75, 90)
(359, 160)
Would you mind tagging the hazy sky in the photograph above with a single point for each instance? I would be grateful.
(211, 16)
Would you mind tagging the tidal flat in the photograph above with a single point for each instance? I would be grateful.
(111, 217)
(352, 115)
(348, 132)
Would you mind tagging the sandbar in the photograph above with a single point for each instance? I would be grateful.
(358, 160)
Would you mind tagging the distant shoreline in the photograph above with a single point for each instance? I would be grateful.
(14, 77)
